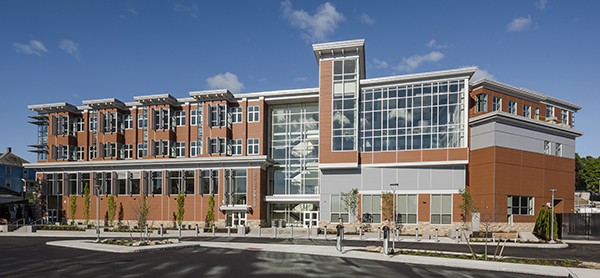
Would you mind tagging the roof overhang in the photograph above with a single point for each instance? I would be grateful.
(156, 99)
(342, 48)
(500, 116)
(212, 95)
(105, 103)
(53, 107)
(289, 199)
(419, 77)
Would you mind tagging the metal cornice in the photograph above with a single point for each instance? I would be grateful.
(500, 116)
(212, 95)
(53, 107)
(156, 99)
(105, 103)
(463, 72)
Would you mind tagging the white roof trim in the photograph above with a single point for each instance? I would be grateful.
(295, 198)
(525, 122)
(458, 73)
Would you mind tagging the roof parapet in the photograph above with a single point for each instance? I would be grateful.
(342, 48)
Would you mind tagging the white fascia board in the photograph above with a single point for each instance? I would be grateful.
(234, 208)
(338, 45)
(160, 98)
(455, 73)
(400, 191)
(521, 121)
(279, 93)
(233, 161)
(335, 166)
(416, 164)
(296, 198)
(53, 107)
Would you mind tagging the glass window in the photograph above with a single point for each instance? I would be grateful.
(558, 149)
(537, 113)
(210, 182)
(519, 205)
(512, 107)
(338, 210)
(546, 147)
(237, 113)
(193, 148)
(253, 146)
(497, 104)
(406, 209)
(179, 118)
(564, 117)
(253, 113)
(180, 149)
(237, 147)
(157, 182)
(193, 116)
(526, 111)
(235, 187)
(549, 111)
(345, 97)
(128, 121)
(370, 208)
(441, 209)
(481, 103)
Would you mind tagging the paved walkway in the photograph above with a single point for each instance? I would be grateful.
(351, 252)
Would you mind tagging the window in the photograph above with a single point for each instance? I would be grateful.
(253, 146)
(193, 117)
(8, 169)
(406, 208)
(157, 182)
(179, 118)
(94, 121)
(80, 153)
(526, 111)
(142, 120)
(164, 148)
(512, 107)
(128, 151)
(497, 104)
(558, 149)
(338, 210)
(210, 182)
(481, 103)
(371, 209)
(236, 113)
(110, 150)
(188, 180)
(142, 150)
(80, 124)
(344, 112)
(546, 147)
(235, 187)
(93, 152)
(128, 121)
(564, 117)
(7, 183)
(237, 147)
(572, 119)
(180, 149)
(253, 113)
(441, 209)
(72, 184)
(520, 205)
(193, 148)
(537, 113)
(162, 119)
(549, 111)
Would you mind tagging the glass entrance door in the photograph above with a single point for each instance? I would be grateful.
(236, 218)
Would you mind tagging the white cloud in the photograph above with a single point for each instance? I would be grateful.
(192, 10)
(225, 81)
(132, 11)
(34, 47)
(380, 64)
(416, 60)
(433, 44)
(519, 24)
(480, 73)
(316, 27)
(70, 47)
(302, 78)
(541, 4)
(366, 19)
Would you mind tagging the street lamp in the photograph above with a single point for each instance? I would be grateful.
(394, 186)
(97, 186)
(552, 218)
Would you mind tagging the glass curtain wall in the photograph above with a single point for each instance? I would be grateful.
(345, 88)
(295, 149)
(413, 117)
(290, 214)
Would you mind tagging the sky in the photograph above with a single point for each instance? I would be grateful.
(71, 51)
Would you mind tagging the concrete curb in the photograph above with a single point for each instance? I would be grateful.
(93, 246)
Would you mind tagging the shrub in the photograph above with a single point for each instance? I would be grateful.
(513, 261)
(543, 225)
(567, 263)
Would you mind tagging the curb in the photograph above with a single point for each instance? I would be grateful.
(91, 245)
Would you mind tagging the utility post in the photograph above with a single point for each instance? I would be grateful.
(394, 186)
(97, 186)
(552, 218)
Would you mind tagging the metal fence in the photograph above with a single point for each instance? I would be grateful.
(580, 226)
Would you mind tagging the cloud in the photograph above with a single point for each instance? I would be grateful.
(192, 10)
(519, 24)
(435, 45)
(132, 11)
(541, 4)
(70, 47)
(302, 78)
(480, 73)
(416, 60)
(225, 81)
(34, 47)
(366, 19)
(313, 28)
(380, 64)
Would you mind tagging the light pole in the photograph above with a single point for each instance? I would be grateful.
(97, 186)
(394, 186)
(552, 218)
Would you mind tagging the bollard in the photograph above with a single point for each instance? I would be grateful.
(259, 230)
(386, 239)
(197, 232)
(378, 233)
(417, 234)
(307, 231)
(228, 231)
(436, 235)
(162, 234)
(179, 231)
(244, 227)
(292, 234)
(457, 238)
(325, 232)
(146, 231)
(360, 232)
(275, 231)
(213, 229)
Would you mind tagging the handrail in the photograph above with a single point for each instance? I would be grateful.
(41, 221)
(17, 222)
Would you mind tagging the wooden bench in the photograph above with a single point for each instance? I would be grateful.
(500, 236)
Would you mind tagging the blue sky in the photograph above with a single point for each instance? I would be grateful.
(70, 51)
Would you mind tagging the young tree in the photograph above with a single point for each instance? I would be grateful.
(350, 200)
(73, 208)
(210, 214)
(387, 205)
(86, 203)
(121, 214)
(488, 220)
(467, 207)
(180, 207)
(111, 209)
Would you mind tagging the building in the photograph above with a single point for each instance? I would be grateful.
(13, 176)
(287, 155)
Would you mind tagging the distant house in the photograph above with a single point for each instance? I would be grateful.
(12, 174)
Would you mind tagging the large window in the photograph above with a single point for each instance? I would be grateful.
(253, 113)
(549, 111)
(338, 210)
(414, 117)
(497, 104)
(237, 147)
(80, 124)
(481, 103)
(220, 145)
(210, 182)
(441, 209)
(295, 149)
(237, 113)
(157, 182)
(520, 205)
(179, 118)
(235, 187)
(512, 107)
(128, 121)
(180, 149)
(371, 209)
(128, 151)
(345, 96)
(406, 208)
(72, 184)
(253, 146)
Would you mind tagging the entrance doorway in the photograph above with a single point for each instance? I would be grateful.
(236, 218)
(311, 218)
